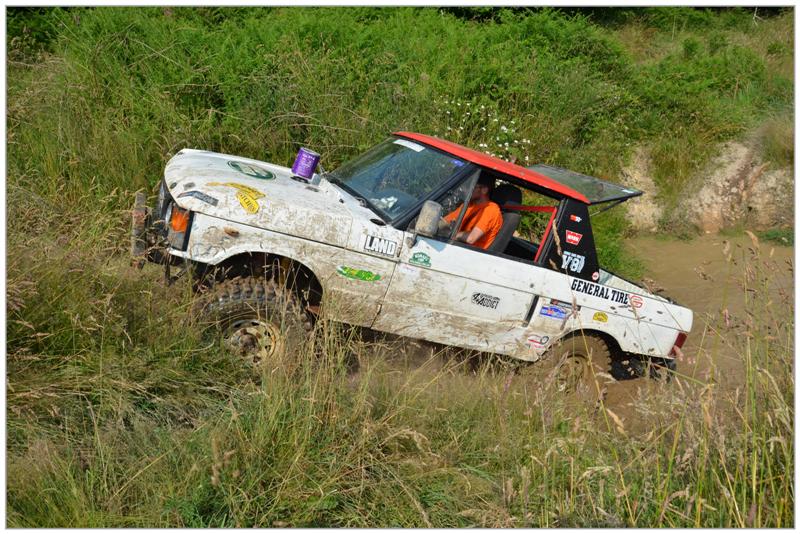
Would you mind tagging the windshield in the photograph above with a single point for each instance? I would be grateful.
(396, 175)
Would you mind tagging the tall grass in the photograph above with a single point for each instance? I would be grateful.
(133, 424)
(120, 412)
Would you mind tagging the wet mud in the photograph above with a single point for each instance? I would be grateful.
(697, 274)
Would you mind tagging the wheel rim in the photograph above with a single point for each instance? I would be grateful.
(571, 372)
(257, 341)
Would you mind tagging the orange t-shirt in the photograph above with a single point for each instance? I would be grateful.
(486, 216)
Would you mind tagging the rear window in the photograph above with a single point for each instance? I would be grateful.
(594, 189)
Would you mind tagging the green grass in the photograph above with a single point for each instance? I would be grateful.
(239, 80)
(777, 141)
(779, 236)
(98, 430)
(120, 412)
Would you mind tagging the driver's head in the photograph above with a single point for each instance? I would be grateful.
(483, 188)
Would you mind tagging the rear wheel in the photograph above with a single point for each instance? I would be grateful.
(579, 366)
(258, 320)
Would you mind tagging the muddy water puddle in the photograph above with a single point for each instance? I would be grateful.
(697, 274)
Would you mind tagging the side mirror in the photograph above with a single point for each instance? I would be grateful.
(428, 220)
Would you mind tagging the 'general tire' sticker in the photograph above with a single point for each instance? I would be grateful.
(614, 295)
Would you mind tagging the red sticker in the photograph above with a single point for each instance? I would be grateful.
(575, 218)
(573, 238)
(636, 301)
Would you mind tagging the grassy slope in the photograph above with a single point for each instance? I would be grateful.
(106, 404)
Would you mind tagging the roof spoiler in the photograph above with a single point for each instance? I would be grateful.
(597, 191)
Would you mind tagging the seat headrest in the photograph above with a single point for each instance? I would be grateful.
(506, 194)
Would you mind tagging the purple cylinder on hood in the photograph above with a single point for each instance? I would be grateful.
(306, 163)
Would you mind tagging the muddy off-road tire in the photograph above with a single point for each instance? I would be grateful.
(258, 320)
(579, 366)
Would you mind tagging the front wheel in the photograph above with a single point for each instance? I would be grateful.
(258, 320)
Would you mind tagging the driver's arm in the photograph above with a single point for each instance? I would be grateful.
(471, 237)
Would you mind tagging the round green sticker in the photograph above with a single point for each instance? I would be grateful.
(250, 170)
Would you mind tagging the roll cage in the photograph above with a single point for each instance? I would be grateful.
(567, 244)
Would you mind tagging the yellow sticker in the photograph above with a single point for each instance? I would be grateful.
(249, 204)
(247, 190)
(600, 317)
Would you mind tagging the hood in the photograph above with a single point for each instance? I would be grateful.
(260, 194)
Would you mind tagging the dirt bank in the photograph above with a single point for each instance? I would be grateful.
(737, 187)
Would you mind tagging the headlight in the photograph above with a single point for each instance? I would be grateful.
(179, 221)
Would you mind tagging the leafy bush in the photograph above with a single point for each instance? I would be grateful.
(110, 392)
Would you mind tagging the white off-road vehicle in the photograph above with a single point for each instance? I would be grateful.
(368, 240)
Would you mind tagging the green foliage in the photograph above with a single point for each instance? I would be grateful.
(610, 230)
(779, 236)
(776, 140)
(112, 391)
(344, 434)
(238, 80)
(30, 31)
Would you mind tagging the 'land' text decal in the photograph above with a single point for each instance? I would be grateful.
(372, 243)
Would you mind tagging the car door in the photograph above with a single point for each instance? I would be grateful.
(458, 295)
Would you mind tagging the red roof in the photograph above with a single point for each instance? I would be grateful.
(496, 164)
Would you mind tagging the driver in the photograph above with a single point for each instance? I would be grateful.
(482, 220)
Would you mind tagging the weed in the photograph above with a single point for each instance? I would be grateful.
(779, 236)
(777, 141)
(121, 413)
